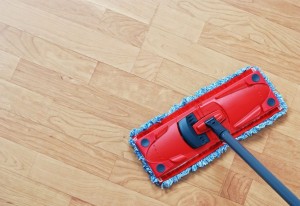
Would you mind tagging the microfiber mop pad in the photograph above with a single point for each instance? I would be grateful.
(208, 157)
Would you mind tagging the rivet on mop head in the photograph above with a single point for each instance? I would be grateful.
(160, 168)
(271, 102)
(145, 142)
(255, 77)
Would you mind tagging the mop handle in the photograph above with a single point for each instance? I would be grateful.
(258, 167)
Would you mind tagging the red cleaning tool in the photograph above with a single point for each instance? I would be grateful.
(200, 128)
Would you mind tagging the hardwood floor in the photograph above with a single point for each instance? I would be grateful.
(77, 75)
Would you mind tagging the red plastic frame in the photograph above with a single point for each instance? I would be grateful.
(239, 104)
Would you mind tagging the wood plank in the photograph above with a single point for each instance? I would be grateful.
(285, 87)
(284, 13)
(57, 145)
(147, 65)
(90, 100)
(247, 50)
(4, 202)
(8, 63)
(210, 178)
(287, 172)
(196, 80)
(78, 202)
(237, 21)
(21, 191)
(226, 160)
(88, 128)
(146, 50)
(83, 185)
(289, 124)
(177, 22)
(277, 166)
(141, 11)
(15, 158)
(175, 76)
(82, 12)
(24, 45)
(283, 147)
(132, 176)
(67, 34)
(72, 122)
(296, 102)
(295, 2)
(24, 102)
(133, 88)
(258, 141)
(266, 34)
(96, 17)
(123, 28)
(189, 54)
(239, 166)
(262, 194)
(236, 187)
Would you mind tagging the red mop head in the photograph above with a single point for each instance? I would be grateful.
(181, 142)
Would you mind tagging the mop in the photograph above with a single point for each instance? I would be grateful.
(201, 127)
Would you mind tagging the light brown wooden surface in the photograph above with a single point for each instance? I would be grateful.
(77, 75)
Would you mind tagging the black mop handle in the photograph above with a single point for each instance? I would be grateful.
(258, 167)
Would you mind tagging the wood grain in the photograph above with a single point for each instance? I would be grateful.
(286, 88)
(236, 187)
(240, 167)
(15, 158)
(178, 23)
(283, 147)
(180, 74)
(88, 15)
(24, 45)
(83, 185)
(79, 202)
(18, 190)
(72, 122)
(146, 65)
(8, 63)
(130, 175)
(56, 29)
(189, 54)
(98, 18)
(260, 194)
(6, 202)
(279, 167)
(296, 100)
(245, 24)
(57, 145)
(133, 88)
(210, 178)
(124, 28)
(223, 41)
(76, 76)
(257, 142)
(141, 11)
(282, 12)
(91, 100)
(289, 125)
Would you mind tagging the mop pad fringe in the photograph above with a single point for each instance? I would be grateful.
(216, 154)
